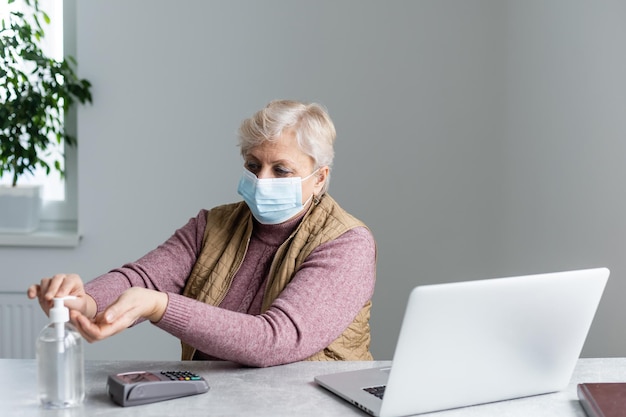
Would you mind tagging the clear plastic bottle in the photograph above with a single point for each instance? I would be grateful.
(60, 361)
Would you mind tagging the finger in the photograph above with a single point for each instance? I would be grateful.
(61, 285)
(86, 327)
(70, 285)
(83, 325)
(33, 291)
(122, 312)
(97, 330)
(44, 284)
(126, 308)
(50, 286)
(40, 291)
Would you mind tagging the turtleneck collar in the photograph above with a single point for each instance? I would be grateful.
(276, 234)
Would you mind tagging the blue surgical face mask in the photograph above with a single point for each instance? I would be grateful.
(272, 200)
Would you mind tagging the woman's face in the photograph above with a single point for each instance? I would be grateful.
(283, 158)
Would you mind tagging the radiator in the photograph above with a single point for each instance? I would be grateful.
(21, 320)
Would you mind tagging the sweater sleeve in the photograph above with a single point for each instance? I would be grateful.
(320, 302)
(165, 268)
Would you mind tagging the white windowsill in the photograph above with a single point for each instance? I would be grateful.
(54, 234)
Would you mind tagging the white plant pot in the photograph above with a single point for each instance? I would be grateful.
(19, 208)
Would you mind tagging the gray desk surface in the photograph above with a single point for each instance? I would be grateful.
(286, 390)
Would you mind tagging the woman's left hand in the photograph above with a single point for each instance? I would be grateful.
(134, 304)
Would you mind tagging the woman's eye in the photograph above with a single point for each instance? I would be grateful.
(282, 172)
(252, 167)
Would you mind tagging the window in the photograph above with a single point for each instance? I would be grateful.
(52, 45)
(59, 206)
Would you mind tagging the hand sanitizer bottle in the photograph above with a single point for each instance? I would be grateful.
(60, 361)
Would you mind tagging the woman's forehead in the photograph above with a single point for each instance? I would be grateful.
(283, 148)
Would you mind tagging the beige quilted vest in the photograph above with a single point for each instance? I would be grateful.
(224, 247)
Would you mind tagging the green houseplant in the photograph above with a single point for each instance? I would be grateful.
(35, 93)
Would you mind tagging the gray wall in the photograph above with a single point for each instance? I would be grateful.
(476, 138)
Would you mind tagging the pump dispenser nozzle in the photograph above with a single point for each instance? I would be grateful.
(59, 315)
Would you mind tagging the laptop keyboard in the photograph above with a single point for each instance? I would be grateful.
(376, 391)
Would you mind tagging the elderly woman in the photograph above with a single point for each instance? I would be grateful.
(282, 276)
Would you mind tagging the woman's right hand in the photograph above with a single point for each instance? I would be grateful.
(61, 285)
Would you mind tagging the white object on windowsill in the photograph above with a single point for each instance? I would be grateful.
(19, 208)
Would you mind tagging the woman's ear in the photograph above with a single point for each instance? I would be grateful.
(320, 179)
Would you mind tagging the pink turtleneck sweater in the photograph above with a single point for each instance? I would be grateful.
(322, 299)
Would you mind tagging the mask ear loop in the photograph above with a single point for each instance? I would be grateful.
(313, 196)
(316, 199)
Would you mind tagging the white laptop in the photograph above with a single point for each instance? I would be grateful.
(475, 342)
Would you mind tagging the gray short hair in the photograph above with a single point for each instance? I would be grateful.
(314, 130)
